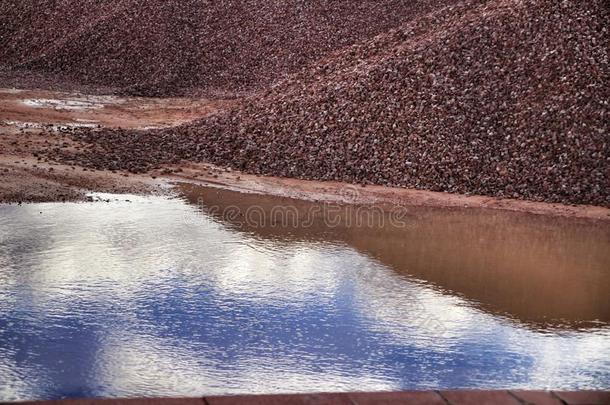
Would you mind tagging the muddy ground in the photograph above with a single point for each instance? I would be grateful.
(30, 109)
(33, 120)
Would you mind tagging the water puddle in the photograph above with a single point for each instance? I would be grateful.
(222, 293)
(11, 91)
(37, 107)
(63, 126)
(75, 103)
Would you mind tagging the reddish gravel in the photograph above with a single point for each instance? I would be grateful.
(500, 98)
(170, 47)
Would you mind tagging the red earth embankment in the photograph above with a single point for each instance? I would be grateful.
(498, 98)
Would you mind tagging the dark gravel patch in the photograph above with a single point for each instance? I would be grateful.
(503, 98)
(173, 47)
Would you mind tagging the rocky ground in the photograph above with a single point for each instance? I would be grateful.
(44, 120)
(501, 98)
(32, 121)
(176, 47)
(26, 177)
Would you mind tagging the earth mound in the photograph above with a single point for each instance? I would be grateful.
(501, 98)
(173, 47)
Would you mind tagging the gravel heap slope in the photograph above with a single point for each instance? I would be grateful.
(166, 47)
(500, 98)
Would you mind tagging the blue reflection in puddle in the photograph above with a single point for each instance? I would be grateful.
(152, 297)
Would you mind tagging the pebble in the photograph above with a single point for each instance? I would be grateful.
(502, 98)
(170, 47)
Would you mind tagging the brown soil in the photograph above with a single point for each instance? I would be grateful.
(41, 108)
(32, 120)
(330, 191)
(26, 176)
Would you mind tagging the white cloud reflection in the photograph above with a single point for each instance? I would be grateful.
(119, 260)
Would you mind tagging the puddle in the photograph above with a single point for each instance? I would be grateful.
(62, 104)
(225, 293)
(23, 107)
(11, 91)
(51, 127)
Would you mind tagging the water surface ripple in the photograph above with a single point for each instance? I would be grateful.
(163, 297)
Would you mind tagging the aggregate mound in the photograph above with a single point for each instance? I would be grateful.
(170, 47)
(500, 98)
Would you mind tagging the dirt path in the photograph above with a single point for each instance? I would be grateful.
(29, 120)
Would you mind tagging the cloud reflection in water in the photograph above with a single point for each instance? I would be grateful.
(129, 299)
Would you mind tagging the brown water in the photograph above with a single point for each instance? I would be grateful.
(218, 292)
(539, 270)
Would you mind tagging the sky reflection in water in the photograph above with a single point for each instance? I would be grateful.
(153, 297)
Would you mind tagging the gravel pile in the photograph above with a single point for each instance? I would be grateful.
(172, 47)
(501, 98)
